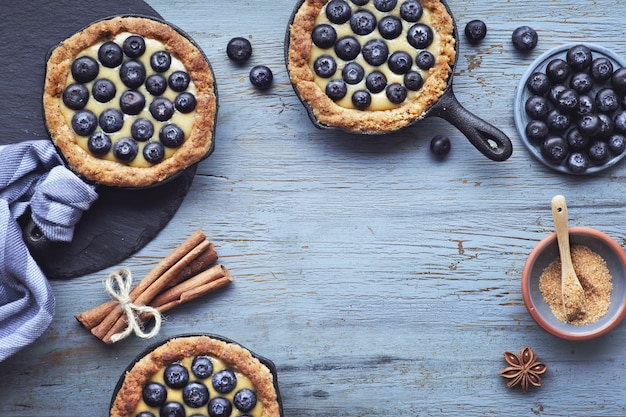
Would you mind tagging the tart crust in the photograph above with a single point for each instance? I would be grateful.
(112, 173)
(328, 113)
(176, 349)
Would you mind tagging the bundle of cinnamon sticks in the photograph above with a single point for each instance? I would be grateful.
(180, 277)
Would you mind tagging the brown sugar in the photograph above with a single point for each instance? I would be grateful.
(595, 278)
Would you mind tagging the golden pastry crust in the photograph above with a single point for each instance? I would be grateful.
(329, 113)
(113, 173)
(176, 349)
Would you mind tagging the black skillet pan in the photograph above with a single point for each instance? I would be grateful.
(488, 139)
(121, 221)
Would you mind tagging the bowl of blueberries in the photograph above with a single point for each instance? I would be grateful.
(570, 109)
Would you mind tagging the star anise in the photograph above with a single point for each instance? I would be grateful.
(524, 369)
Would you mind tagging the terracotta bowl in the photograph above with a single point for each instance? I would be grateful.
(547, 251)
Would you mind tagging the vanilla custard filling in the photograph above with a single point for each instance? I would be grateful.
(182, 120)
(400, 43)
(177, 394)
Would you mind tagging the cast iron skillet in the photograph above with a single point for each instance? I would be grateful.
(488, 139)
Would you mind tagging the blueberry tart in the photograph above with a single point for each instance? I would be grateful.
(130, 101)
(198, 375)
(371, 66)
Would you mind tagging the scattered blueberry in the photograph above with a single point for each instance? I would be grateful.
(261, 77)
(239, 49)
(524, 38)
(475, 31)
(440, 145)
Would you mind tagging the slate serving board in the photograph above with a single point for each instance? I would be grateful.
(121, 221)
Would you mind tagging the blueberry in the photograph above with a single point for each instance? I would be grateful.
(400, 62)
(554, 149)
(156, 84)
(261, 77)
(325, 66)
(142, 129)
(579, 57)
(110, 54)
(618, 80)
(160, 61)
(589, 124)
(75, 96)
(178, 81)
(537, 107)
(586, 105)
(161, 109)
(581, 82)
(99, 143)
(239, 49)
(475, 31)
(599, 151)
(352, 73)
(324, 36)
(125, 149)
(185, 102)
(425, 60)
(360, 2)
(536, 131)
(220, 407)
(362, 22)
(606, 125)
(132, 102)
(619, 121)
(111, 120)
(375, 52)
(601, 69)
(411, 10)
(440, 145)
(338, 11)
(154, 394)
(385, 5)
(554, 92)
(558, 71)
(578, 162)
(396, 93)
(361, 99)
(85, 69)
(245, 400)
(375, 82)
(538, 83)
(576, 140)
(224, 381)
(145, 414)
(195, 394)
(103, 90)
(84, 122)
(413, 80)
(154, 152)
(172, 409)
(171, 136)
(607, 100)
(202, 367)
(390, 27)
(558, 121)
(132, 73)
(134, 46)
(420, 36)
(347, 48)
(567, 101)
(524, 38)
(336, 89)
(617, 144)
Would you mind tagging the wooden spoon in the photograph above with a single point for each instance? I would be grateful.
(573, 292)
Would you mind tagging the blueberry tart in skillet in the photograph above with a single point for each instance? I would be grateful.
(198, 375)
(370, 66)
(130, 101)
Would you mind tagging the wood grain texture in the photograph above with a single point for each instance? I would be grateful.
(379, 280)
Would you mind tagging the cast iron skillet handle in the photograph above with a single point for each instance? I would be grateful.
(488, 139)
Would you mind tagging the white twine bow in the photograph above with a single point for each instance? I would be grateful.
(122, 279)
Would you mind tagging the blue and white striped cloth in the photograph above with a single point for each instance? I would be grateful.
(32, 175)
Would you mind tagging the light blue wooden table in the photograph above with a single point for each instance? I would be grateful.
(380, 280)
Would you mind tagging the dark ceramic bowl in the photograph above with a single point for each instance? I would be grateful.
(522, 94)
(544, 253)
